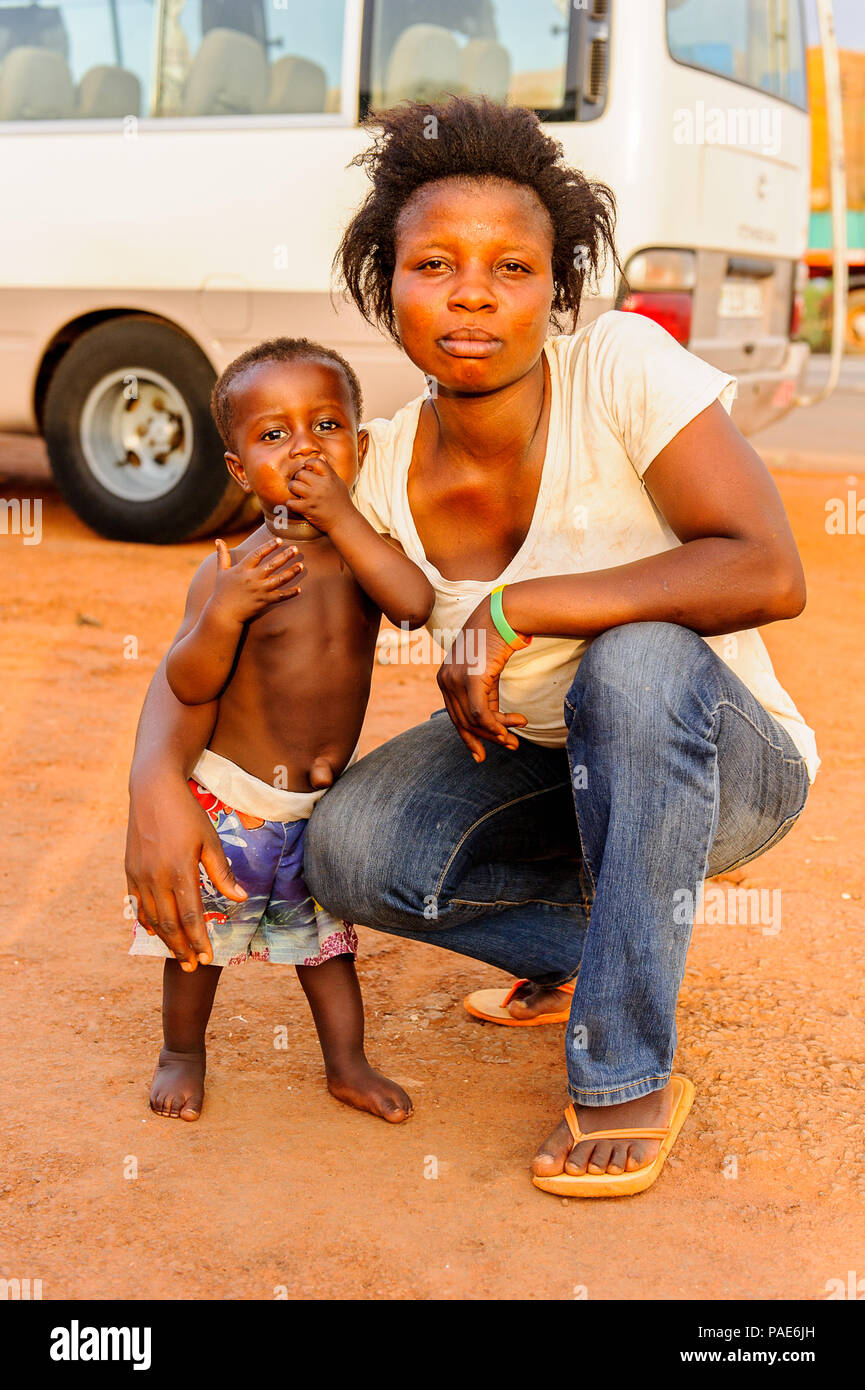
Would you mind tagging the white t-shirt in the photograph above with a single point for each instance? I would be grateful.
(622, 388)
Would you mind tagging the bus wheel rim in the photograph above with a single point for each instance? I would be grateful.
(136, 434)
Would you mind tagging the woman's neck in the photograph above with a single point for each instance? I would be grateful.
(494, 430)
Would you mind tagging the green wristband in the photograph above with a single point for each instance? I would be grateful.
(502, 626)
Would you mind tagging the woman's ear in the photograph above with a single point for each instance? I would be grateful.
(235, 468)
(362, 446)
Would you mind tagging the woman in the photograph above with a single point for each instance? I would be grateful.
(563, 811)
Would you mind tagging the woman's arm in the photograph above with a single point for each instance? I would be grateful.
(737, 567)
(169, 833)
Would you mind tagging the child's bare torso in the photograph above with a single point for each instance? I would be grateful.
(299, 689)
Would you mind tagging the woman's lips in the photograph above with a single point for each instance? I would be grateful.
(460, 345)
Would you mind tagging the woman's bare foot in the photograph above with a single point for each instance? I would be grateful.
(366, 1089)
(531, 1000)
(558, 1154)
(178, 1085)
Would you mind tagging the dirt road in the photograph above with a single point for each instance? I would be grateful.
(279, 1189)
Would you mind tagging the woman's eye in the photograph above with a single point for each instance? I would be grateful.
(434, 263)
(513, 265)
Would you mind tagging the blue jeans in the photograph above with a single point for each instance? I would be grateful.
(544, 861)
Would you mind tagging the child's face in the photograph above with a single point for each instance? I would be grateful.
(284, 414)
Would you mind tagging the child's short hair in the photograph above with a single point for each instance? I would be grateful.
(276, 350)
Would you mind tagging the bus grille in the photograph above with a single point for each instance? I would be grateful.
(598, 56)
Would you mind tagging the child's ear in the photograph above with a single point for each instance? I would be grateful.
(362, 446)
(235, 468)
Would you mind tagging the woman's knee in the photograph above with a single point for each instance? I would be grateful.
(369, 846)
(342, 860)
(627, 662)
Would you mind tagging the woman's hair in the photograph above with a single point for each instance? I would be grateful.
(468, 137)
(276, 350)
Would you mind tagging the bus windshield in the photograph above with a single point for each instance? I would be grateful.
(758, 43)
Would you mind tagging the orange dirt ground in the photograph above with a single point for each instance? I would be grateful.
(278, 1188)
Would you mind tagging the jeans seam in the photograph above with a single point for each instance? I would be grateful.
(587, 906)
(793, 816)
(528, 796)
(624, 1086)
(774, 746)
(506, 902)
(767, 843)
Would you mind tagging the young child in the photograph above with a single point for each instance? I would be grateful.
(284, 640)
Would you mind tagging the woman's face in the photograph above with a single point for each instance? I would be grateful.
(473, 287)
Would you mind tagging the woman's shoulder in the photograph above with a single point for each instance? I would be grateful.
(611, 334)
(620, 361)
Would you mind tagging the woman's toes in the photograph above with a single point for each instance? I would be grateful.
(600, 1157)
(520, 1004)
(533, 1000)
(641, 1154)
(618, 1159)
(549, 1160)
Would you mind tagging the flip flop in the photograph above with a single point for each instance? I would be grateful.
(492, 1006)
(622, 1184)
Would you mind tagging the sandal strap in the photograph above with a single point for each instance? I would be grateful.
(578, 1136)
(517, 984)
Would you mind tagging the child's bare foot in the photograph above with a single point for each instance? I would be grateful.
(178, 1085)
(365, 1089)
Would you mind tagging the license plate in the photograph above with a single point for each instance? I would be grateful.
(740, 300)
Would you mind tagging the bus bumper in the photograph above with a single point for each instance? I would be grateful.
(765, 396)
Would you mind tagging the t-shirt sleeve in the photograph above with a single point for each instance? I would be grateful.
(651, 385)
(371, 495)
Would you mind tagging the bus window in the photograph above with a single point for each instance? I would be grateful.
(77, 59)
(92, 59)
(508, 50)
(248, 57)
(759, 43)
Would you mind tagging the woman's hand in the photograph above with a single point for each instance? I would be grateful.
(169, 834)
(469, 681)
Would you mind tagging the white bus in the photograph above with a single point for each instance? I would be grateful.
(174, 185)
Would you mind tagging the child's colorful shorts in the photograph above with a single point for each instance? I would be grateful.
(280, 921)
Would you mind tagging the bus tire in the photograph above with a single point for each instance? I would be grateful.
(132, 444)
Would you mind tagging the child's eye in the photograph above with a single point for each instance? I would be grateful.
(270, 435)
(328, 425)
